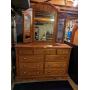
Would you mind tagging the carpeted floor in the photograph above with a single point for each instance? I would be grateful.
(49, 85)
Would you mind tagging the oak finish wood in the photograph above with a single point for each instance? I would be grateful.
(42, 63)
(42, 60)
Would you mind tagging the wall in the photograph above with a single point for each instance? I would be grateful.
(75, 41)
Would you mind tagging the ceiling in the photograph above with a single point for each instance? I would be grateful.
(63, 5)
(57, 2)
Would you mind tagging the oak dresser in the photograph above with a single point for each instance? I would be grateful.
(42, 62)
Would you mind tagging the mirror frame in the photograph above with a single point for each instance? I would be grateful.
(49, 8)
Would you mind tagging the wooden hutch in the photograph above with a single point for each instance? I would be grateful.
(40, 56)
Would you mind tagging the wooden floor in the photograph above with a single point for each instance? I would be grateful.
(74, 86)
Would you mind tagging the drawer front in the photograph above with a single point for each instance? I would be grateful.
(39, 51)
(31, 68)
(26, 51)
(63, 51)
(30, 73)
(55, 72)
(45, 51)
(55, 65)
(50, 51)
(31, 58)
(56, 58)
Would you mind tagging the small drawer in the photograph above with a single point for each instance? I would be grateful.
(26, 51)
(50, 51)
(55, 65)
(45, 51)
(56, 58)
(31, 58)
(63, 51)
(38, 51)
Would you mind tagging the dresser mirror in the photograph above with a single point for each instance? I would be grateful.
(27, 16)
(69, 27)
(43, 26)
(44, 22)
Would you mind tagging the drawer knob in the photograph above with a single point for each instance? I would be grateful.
(24, 72)
(25, 58)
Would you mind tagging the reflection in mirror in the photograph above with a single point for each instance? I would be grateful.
(69, 30)
(27, 25)
(43, 26)
(60, 30)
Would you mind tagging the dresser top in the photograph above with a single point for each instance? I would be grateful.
(41, 45)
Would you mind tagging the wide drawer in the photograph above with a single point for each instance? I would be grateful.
(55, 65)
(31, 68)
(31, 58)
(45, 51)
(55, 72)
(31, 72)
(26, 51)
(63, 51)
(56, 58)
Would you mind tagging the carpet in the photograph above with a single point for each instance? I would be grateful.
(47, 85)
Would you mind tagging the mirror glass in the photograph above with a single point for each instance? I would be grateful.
(69, 29)
(27, 24)
(43, 26)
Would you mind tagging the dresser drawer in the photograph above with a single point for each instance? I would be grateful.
(26, 73)
(26, 51)
(55, 65)
(29, 66)
(45, 51)
(50, 51)
(63, 51)
(56, 58)
(55, 72)
(38, 51)
(31, 58)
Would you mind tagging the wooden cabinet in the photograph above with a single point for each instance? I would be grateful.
(38, 63)
(42, 58)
